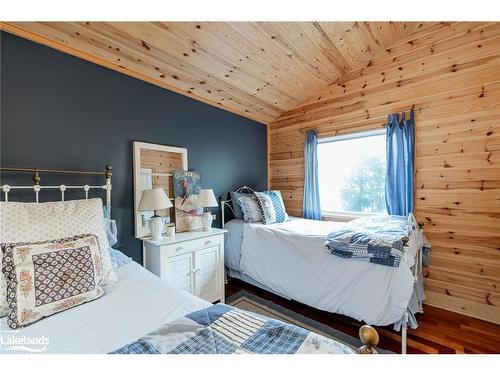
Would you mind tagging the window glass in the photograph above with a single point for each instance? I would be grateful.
(352, 173)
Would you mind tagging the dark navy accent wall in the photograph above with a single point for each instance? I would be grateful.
(58, 111)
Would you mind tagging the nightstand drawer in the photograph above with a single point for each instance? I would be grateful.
(187, 246)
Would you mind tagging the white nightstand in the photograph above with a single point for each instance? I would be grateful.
(193, 261)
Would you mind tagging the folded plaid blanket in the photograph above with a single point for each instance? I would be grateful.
(222, 329)
(375, 239)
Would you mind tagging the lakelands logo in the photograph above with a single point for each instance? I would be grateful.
(11, 341)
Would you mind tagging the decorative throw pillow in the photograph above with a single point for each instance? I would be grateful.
(279, 206)
(44, 278)
(250, 209)
(238, 212)
(35, 222)
(271, 207)
(266, 207)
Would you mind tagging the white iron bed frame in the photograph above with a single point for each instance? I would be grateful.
(417, 268)
(36, 187)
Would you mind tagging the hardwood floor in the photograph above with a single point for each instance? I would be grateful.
(439, 331)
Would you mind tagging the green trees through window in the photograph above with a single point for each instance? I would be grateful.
(352, 173)
(364, 189)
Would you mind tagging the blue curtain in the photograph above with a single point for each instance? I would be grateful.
(399, 173)
(312, 208)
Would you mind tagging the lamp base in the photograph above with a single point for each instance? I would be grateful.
(156, 225)
(206, 221)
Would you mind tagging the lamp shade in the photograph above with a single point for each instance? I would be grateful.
(206, 198)
(155, 199)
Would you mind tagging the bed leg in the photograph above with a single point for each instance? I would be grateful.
(404, 332)
(222, 203)
(421, 272)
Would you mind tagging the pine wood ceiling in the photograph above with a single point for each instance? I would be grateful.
(256, 69)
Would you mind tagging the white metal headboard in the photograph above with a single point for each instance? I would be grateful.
(36, 187)
(224, 202)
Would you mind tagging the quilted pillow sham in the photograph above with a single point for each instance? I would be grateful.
(35, 222)
(44, 278)
(271, 207)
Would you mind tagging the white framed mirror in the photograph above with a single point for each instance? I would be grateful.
(153, 167)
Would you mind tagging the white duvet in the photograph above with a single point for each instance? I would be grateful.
(290, 259)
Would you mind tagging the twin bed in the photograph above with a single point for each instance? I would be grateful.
(289, 259)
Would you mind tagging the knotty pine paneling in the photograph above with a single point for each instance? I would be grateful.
(451, 76)
(255, 69)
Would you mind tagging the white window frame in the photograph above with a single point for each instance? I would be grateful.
(348, 215)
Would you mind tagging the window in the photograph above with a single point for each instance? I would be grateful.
(352, 173)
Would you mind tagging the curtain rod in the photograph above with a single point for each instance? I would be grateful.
(381, 117)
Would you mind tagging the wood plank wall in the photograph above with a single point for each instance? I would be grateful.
(452, 78)
(162, 163)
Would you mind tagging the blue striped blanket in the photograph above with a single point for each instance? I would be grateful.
(222, 329)
(375, 239)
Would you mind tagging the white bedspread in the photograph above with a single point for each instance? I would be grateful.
(232, 243)
(133, 306)
(290, 258)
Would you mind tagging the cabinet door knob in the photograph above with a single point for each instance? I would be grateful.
(196, 271)
(208, 242)
(180, 248)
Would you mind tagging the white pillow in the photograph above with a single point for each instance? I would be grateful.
(251, 212)
(31, 222)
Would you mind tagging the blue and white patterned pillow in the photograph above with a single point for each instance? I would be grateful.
(118, 259)
(271, 206)
(266, 207)
(251, 212)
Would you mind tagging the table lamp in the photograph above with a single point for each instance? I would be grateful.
(154, 200)
(206, 198)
